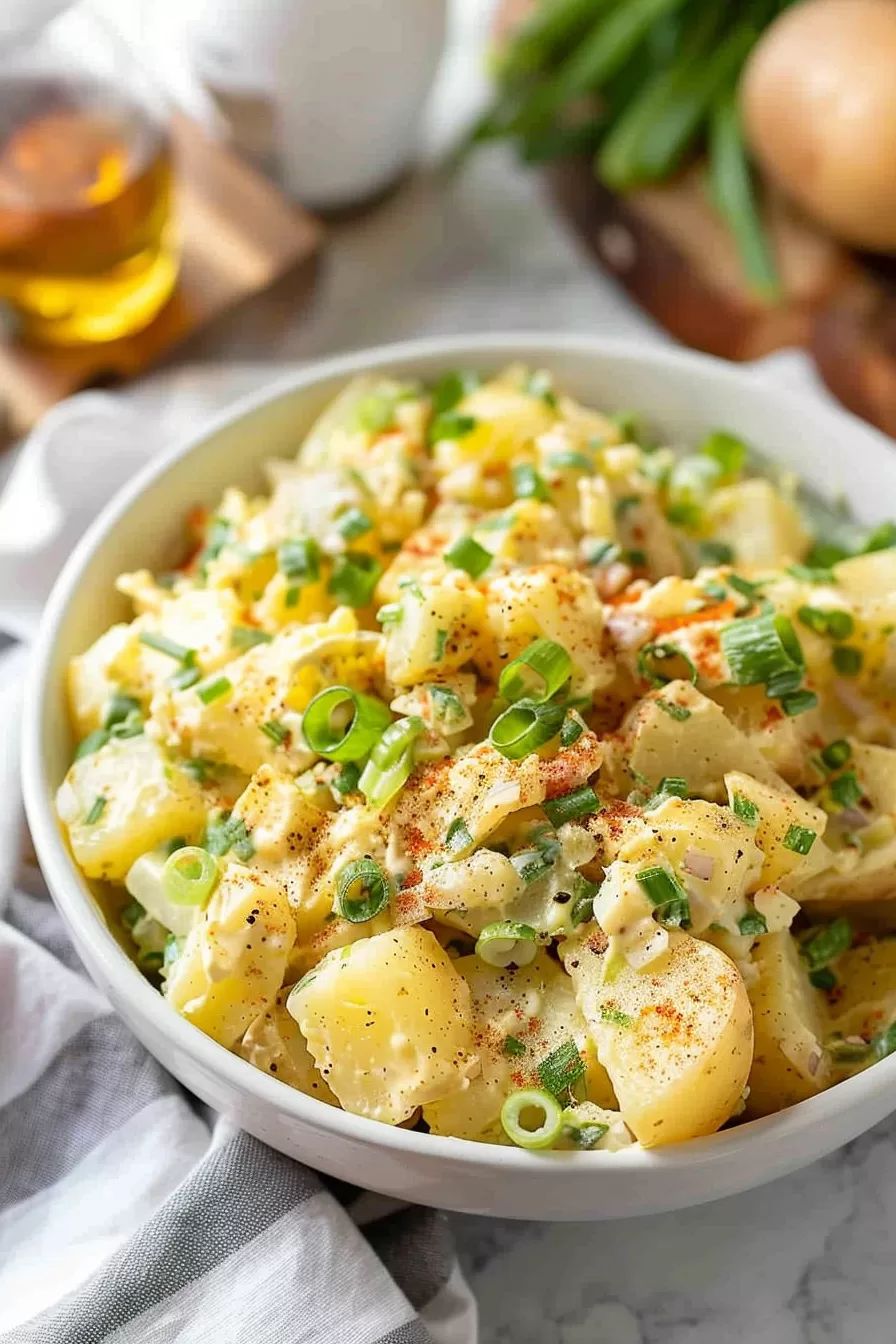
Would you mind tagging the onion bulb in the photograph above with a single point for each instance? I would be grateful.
(818, 101)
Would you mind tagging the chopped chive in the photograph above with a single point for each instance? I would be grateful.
(121, 707)
(847, 660)
(840, 624)
(667, 895)
(823, 978)
(184, 679)
(247, 636)
(213, 688)
(529, 484)
(451, 426)
(458, 837)
(354, 523)
(752, 924)
(827, 943)
(513, 1047)
(91, 743)
(571, 731)
(179, 652)
(298, 559)
(745, 810)
(275, 731)
(354, 577)
(580, 803)
(799, 839)
(846, 790)
(562, 1068)
(582, 908)
(441, 645)
(836, 754)
(677, 712)
(670, 786)
(96, 811)
(798, 702)
(467, 554)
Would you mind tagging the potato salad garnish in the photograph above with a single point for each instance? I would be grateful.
(506, 774)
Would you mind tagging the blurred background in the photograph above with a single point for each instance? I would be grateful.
(218, 179)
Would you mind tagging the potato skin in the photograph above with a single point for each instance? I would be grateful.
(789, 1062)
(677, 1044)
(818, 99)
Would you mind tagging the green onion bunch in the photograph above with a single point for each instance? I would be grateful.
(641, 85)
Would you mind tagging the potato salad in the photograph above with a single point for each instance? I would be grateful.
(506, 774)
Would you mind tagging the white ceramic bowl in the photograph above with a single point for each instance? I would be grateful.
(685, 395)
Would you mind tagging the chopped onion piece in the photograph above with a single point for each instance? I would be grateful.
(699, 865)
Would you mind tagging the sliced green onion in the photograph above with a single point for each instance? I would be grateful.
(715, 592)
(840, 624)
(562, 1068)
(810, 574)
(580, 803)
(507, 943)
(798, 702)
(836, 754)
(533, 864)
(827, 943)
(291, 596)
(362, 891)
(354, 523)
(441, 645)
(173, 949)
(375, 412)
(540, 384)
(570, 460)
(752, 924)
(764, 650)
(298, 559)
(458, 838)
(451, 426)
(846, 790)
(467, 554)
(814, 618)
(447, 706)
(513, 1047)
(121, 707)
(667, 895)
(602, 553)
(799, 839)
(395, 740)
(582, 908)
(824, 978)
(532, 1118)
(184, 679)
(525, 727)
(751, 591)
(97, 809)
(652, 654)
(347, 780)
(847, 660)
(189, 876)
(629, 425)
(670, 786)
(131, 914)
(213, 688)
(275, 731)
(529, 484)
(883, 538)
(625, 505)
(537, 674)
(716, 553)
(745, 810)
(884, 1043)
(729, 452)
(247, 636)
(572, 730)
(390, 614)
(197, 768)
(616, 1017)
(355, 576)
(179, 652)
(380, 786)
(341, 724)
(452, 388)
(586, 1136)
(91, 743)
(677, 712)
(221, 533)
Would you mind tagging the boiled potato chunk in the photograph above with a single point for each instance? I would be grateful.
(676, 1039)
(534, 1006)
(274, 1044)
(866, 978)
(789, 1061)
(762, 526)
(147, 801)
(234, 960)
(388, 1023)
(90, 685)
(780, 810)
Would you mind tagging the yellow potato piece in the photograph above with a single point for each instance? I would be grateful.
(789, 1061)
(676, 1039)
(234, 960)
(147, 800)
(274, 1044)
(388, 1023)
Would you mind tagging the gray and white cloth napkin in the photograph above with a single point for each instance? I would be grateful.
(129, 1213)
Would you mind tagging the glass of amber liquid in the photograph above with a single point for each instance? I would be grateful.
(88, 247)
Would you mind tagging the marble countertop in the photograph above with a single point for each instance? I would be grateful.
(806, 1260)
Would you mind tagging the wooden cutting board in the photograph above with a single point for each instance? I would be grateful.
(671, 251)
(240, 236)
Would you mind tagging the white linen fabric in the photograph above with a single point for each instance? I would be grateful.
(129, 1212)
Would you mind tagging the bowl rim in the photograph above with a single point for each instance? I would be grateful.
(84, 918)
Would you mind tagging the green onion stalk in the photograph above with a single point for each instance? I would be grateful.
(641, 87)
